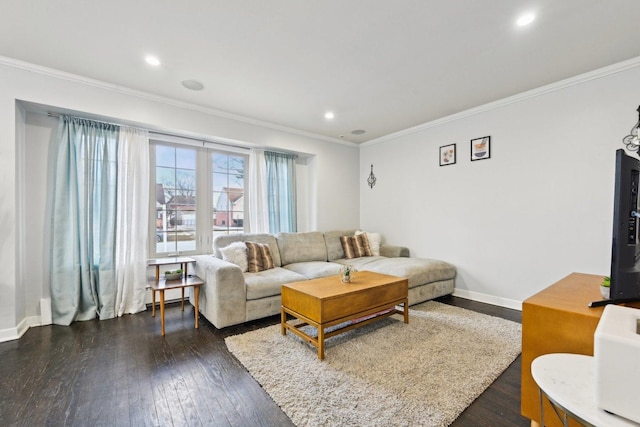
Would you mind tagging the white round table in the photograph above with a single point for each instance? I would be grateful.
(567, 380)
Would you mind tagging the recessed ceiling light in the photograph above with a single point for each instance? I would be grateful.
(525, 19)
(358, 131)
(192, 84)
(329, 115)
(152, 60)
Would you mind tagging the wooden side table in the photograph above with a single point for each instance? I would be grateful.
(183, 261)
(185, 282)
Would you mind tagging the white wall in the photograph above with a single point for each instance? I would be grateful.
(23, 282)
(537, 210)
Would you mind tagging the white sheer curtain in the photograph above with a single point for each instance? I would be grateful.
(132, 224)
(258, 207)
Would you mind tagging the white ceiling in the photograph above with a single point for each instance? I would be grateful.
(379, 65)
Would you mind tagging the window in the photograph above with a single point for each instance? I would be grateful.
(199, 193)
(175, 213)
(228, 193)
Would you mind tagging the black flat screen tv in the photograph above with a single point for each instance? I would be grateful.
(625, 248)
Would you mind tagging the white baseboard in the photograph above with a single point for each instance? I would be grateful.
(29, 322)
(488, 299)
(11, 334)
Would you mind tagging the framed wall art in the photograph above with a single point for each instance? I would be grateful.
(481, 148)
(448, 155)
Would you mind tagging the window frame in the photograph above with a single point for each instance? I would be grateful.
(211, 173)
(204, 195)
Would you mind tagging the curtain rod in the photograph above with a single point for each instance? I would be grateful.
(57, 116)
(201, 140)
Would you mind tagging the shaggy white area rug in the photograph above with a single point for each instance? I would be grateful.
(388, 373)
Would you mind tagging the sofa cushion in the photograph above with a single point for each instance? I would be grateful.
(359, 263)
(355, 246)
(268, 283)
(314, 269)
(236, 253)
(258, 257)
(418, 271)
(301, 247)
(393, 251)
(332, 241)
(223, 240)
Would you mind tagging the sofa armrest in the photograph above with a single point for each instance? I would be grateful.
(391, 251)
(223, 298)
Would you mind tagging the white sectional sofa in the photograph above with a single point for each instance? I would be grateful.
(231, 296)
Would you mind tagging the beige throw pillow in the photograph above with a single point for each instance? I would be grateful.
(236, 253)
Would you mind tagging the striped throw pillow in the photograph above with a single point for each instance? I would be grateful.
(258, 257)
(355, 246)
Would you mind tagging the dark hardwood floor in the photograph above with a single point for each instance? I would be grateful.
(499, 405)
(121, 372)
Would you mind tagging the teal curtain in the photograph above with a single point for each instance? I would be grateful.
(84, 221)
(281, 191)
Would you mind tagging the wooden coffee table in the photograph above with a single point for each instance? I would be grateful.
(327, 302)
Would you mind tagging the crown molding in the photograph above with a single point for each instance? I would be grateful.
(62, 75)
(542, 90)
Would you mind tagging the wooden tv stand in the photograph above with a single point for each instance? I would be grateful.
(557, 320)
